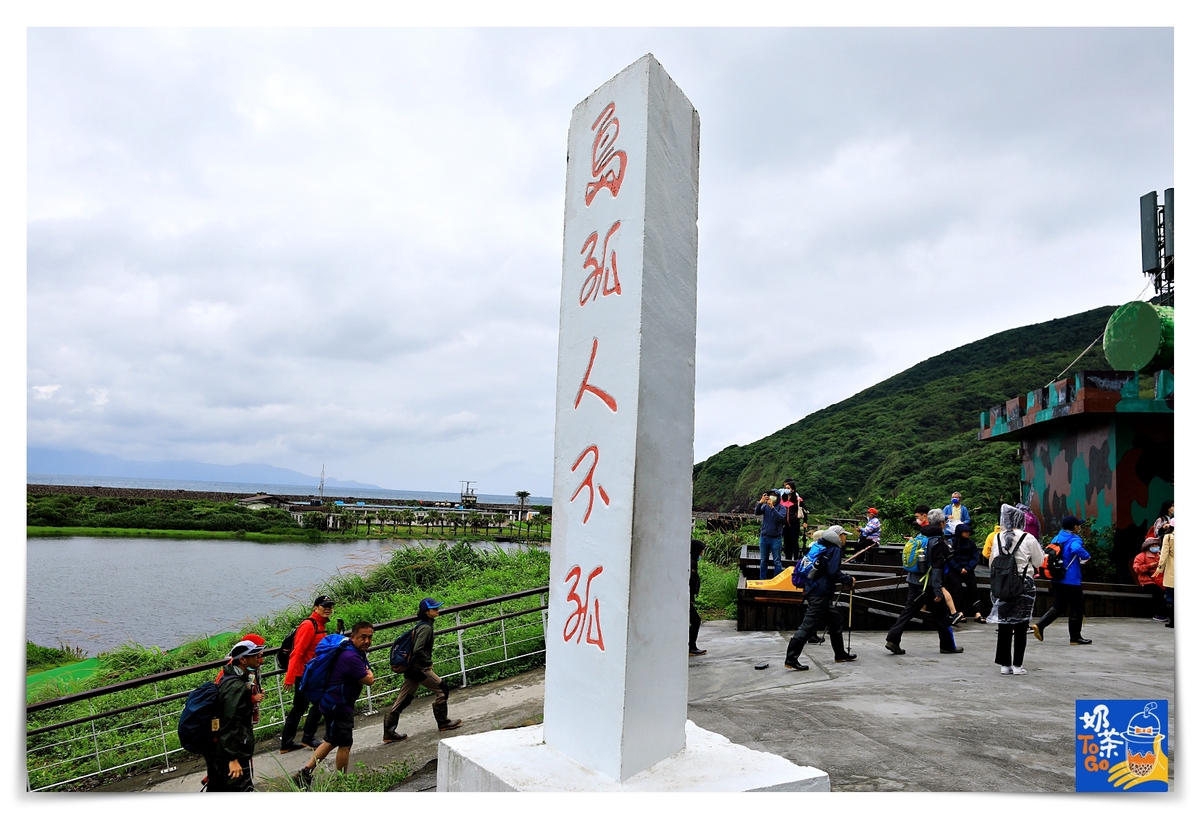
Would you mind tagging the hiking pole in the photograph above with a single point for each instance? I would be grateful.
(855, 556)
(832, 605)
(850, 620)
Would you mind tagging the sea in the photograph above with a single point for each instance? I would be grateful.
(337, 492)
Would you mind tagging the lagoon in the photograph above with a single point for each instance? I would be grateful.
(97, 593)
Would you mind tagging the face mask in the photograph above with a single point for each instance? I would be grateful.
(1153, 550)
(955, 501)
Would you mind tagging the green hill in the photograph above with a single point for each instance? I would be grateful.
(913, 434)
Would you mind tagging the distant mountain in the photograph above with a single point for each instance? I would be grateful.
(89, 464)
(914, 433)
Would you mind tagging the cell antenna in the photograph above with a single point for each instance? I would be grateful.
(321, 488)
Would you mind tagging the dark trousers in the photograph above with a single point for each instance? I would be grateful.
(1010, 644)
(791, 542)
(820, 610)
(1160, 598)
(693, 626)
(964, 589)
(918, 598)
(1068, 599)
(1169, 594)
(218, 775)
(299, 704)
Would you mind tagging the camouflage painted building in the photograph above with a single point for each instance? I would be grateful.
(1091, 446)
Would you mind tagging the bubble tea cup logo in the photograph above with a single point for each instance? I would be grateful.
(1108, 759)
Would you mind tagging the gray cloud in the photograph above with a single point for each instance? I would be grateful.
(344, 245)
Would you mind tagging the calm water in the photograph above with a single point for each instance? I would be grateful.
(97, 593)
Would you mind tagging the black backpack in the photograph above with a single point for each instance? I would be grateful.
(1007, 584)
(289, 643)
(1056, 569)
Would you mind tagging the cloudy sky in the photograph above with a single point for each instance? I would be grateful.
(344, 246)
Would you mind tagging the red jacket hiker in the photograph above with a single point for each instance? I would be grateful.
(305, 645)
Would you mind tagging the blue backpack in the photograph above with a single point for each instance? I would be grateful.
(814, 561)
(914, 560)
(314, 684)
(200, 720)
(401, 653)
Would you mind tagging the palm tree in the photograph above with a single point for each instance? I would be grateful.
(407, 518)
(522, 496)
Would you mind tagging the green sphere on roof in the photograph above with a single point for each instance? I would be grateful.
(1140, 336)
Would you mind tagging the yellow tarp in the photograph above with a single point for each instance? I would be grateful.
(781, 582)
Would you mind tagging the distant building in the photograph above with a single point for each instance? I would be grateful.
(260, 501)
(1093, 447)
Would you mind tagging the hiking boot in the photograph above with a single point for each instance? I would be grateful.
(1037, 632)
(450, 725)
(391, 735)
(959, 616)
(950, 650)
(894, 648)
(795, 666)
(1006, 670)
(289, 747)
(849, 657)
(1159, 618)
(696, 652)
(311, 742)
(1081, 641)
(1017, 670)
(303, 778)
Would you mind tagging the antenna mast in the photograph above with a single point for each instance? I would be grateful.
(321, 488)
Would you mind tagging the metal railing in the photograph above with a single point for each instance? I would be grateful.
(132, 724)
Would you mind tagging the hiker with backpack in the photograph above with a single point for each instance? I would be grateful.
(417, 667)
(821, 567)
(229, 756)
(297, 651)
(1063, 566)
(348, 672)
(959, 581)
(1016, 557)
(924, 561)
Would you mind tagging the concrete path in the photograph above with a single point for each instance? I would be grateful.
(919, 722)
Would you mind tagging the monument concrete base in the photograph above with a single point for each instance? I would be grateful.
(520, 761)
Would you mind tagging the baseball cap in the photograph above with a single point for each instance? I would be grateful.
(323, 601)
(872, 511)
(429, 603)
(245, 648)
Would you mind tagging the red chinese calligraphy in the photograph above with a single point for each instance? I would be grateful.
(587, 481)
(607, 127)
(608, 399)
(597, 281)
(581, 622)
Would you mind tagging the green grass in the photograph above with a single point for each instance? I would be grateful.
(39, 658)
(359, 778)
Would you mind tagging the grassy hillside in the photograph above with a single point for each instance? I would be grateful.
(913, 434)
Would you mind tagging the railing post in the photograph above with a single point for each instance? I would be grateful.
(462, 660)
(370, 711)
(162, 732)
(503, 638)
(542, 602)
(95, 740)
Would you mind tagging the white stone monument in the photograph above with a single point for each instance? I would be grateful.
(616, 638)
